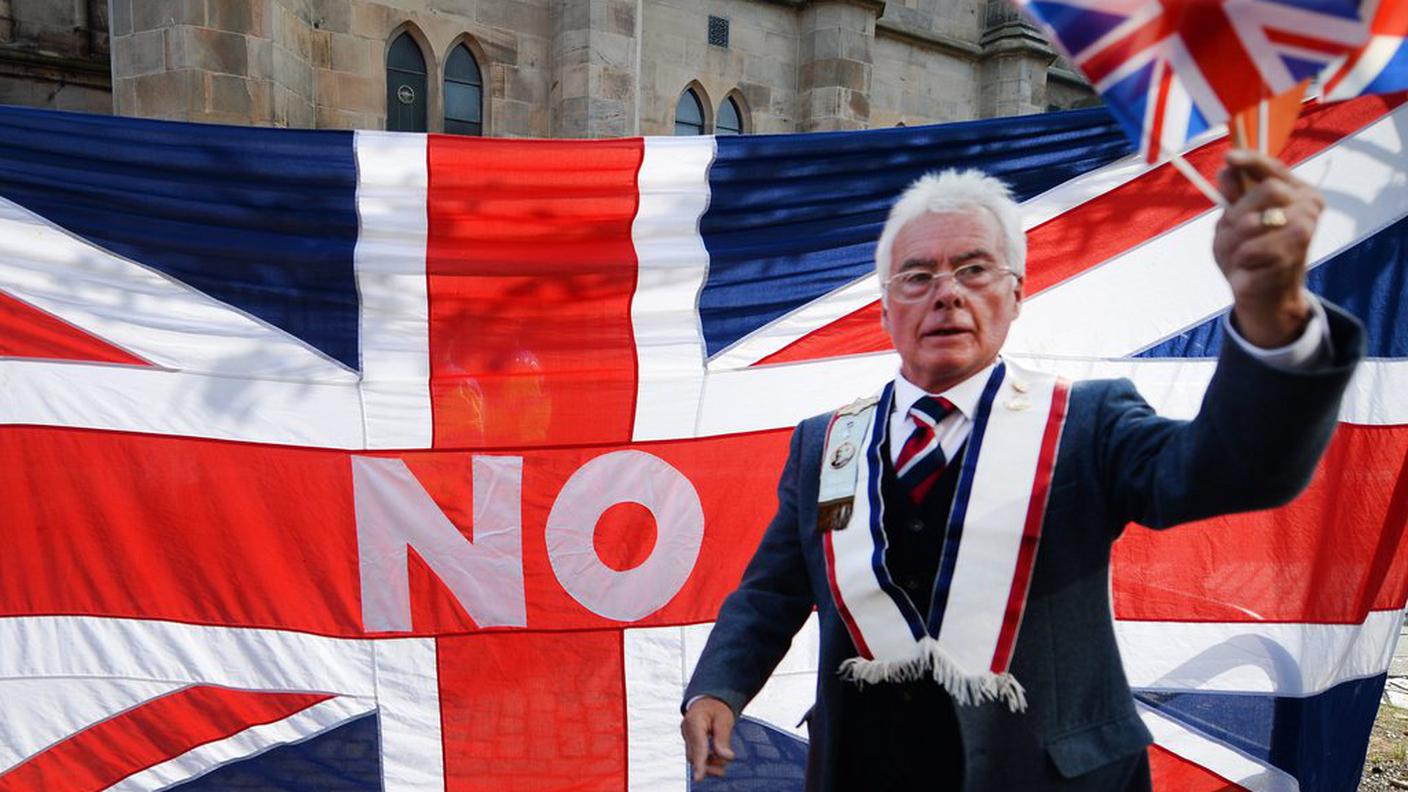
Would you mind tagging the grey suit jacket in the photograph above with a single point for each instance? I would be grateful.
(1254, 445)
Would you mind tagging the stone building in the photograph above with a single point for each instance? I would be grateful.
(558, 68)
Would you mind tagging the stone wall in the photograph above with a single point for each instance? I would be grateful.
(55, 54)
(585, 68)
(1014, 63)
(921, 79)
(1067, 90)
(758, 69)
(595, 56)
(321, 63)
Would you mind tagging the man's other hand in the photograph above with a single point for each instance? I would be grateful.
(707, 728)
(1261, 244)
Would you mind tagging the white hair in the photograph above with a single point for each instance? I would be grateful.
(956, 191)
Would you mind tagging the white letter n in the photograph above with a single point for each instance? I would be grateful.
(395, 512)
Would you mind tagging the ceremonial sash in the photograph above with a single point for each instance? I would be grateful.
(965, 640)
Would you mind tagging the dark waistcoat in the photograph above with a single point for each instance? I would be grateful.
(890, 725)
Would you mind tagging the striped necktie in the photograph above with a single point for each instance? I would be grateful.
(921, 459)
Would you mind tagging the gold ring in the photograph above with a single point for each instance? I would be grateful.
(1273, 217)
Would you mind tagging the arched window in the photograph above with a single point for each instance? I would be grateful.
(405, 86)
(730, 121)
(689, 114)
(464, 94)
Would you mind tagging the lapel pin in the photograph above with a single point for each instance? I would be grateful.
(1019, 403)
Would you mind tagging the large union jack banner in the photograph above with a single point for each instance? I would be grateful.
(370, 461)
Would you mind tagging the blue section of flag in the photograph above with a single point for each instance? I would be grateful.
(1345, 9)
(1128, 100)
(1320, 739)
(1369, 279)
(768, 760)
(1197, 123)
(1393, 76)
(793, 217)
(262, 219)
(1302, 68)
(344, 759)
(1078, 27)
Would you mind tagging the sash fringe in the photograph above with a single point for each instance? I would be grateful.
(932, 661)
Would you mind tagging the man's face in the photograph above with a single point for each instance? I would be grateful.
(952, 333)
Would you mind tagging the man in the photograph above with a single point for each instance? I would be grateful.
(954, 534)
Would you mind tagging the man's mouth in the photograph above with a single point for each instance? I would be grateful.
(947, 331)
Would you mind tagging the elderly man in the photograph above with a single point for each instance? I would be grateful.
(954, 533)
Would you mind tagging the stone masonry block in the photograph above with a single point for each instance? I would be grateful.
(617, 16)
(570, 118)
(575, 80)
(209, 50)
(758, 96)
(533, 52)
(856, 46)
(772, 71)
(124, 95)
(259, 11)
(571, 46)
(360, 93)
(613, 50)
(513, 119)
(153, 14)
(119, 18)
(139, 53)
(859, 105)
(823, 14)
(228, 94)
(235, 16)
(571, 15)
(320, 54)
(607, 119)
(525, 85)
(332, 15)
(615, 85)
(168, 94)
(501, 48)
(824, 44)
(325, 88)
(293, 71)
(372, 20)
(853, 74)
(352, 54)
(261, 58)
(515, 15)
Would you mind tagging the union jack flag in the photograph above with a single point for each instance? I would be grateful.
(391, 463)
(1381, 64)
(1170, 69)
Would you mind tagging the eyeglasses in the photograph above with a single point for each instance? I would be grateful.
(917, 284)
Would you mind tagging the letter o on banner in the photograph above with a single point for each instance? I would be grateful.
(625, 477)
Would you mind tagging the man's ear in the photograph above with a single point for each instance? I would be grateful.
(885, 316)
(1017, 291)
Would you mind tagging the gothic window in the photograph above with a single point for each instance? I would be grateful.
(730, 121)
(405, 86)
(689, 114)
(464, 94)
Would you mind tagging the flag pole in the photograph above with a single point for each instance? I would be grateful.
(1191, 174)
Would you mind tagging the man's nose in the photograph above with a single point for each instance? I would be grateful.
(947, 293)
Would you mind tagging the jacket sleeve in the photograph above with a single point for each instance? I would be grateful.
(1254, 444)
(757, 621)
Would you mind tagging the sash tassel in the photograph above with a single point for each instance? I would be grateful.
(931, 661)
